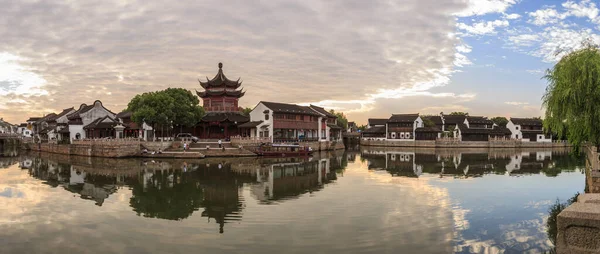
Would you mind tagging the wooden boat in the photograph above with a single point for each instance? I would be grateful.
(283, 150)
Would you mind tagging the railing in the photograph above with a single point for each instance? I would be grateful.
(294, 140)
(112, 141)
(258, 139)
(222, 109)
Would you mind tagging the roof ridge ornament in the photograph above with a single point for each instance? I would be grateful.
(220, 65)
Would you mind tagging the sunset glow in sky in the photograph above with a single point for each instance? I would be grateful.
(366, 58)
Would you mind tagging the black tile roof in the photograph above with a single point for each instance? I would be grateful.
(323, 111)
(479, 120)
(289, 108)
(403, 118)
(498, 130)
(435, 119)
(252, 124)
(334, 126)
(101, 124)
(125, 114)
(428, 129)
(527, 121)
(33, 119)
(465, 130)
(376, 129)
(377, 121)
(454, 119)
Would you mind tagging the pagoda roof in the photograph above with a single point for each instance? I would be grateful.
(220, 80)
(208, 93)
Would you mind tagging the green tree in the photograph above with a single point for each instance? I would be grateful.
(427, 122)
(362, 127)
(342, 121)
(459, 113)
(500, 121)
(246, 111)
(572, 98)
(175, 106)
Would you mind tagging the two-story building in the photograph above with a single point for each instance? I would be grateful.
(282, 122)
(332, 131)
(375, 128)
(134, 130)
(403, 126)
(6, 127)
(528, 129)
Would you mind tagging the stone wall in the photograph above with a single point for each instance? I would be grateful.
(154, 146)
(111, 150)
(229, 152)
(456, 143)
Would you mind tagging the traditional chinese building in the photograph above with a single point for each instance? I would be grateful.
(220, 101)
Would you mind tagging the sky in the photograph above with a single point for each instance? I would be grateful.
(368, 59)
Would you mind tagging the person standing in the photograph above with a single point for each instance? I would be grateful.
(220, 143)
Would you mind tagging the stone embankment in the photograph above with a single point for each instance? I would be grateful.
(252, 144)
(92, 148)
(578, 226)
(452, 143)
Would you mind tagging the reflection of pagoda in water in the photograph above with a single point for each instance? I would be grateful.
(174, 189)
(468, 163)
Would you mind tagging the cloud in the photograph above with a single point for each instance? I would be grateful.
(516, 103)
(482, 7)
(585, 8)
(535, 72)
(524, 40)
(292, 51)
(557, 42)
(482, 28)
(512, 16)
(545, 16)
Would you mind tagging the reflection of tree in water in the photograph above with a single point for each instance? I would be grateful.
(176, 195)
(171, 195)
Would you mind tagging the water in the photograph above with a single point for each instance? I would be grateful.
(369, 201)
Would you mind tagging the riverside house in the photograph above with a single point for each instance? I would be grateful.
(282, 122)
(403, 126)
(528, 129)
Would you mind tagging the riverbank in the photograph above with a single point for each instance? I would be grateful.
(461, 144)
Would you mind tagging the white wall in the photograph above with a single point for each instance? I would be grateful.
(74, 129)
(257, 115)
(513, 129)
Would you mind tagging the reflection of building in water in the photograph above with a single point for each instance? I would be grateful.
(291, 179)
(468, 163)
(72, 178)
(529, 162)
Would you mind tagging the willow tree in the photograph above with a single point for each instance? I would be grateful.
(572, 98)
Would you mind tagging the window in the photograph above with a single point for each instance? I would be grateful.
(267, 116)
(517, 127)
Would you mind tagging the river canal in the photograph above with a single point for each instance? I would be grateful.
(366, 201)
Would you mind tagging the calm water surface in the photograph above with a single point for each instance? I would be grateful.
(368, 201)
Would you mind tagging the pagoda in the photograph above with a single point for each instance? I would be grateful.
(220, 101)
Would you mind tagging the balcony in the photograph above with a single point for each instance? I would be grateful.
(294, 140)
(221, 109)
